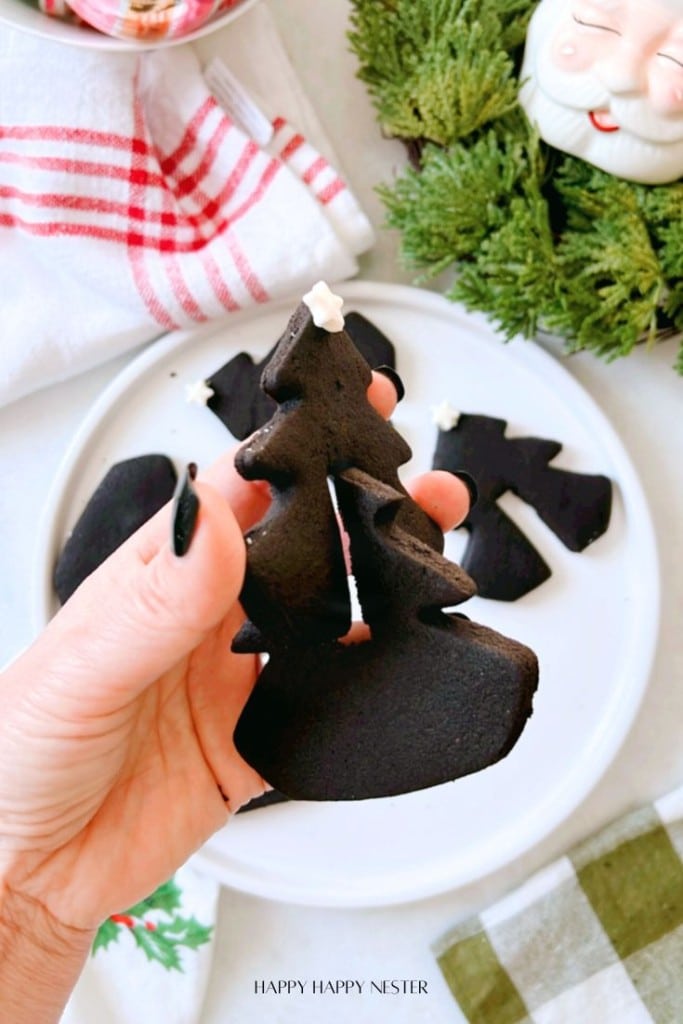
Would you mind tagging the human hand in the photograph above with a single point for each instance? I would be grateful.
(116, 726)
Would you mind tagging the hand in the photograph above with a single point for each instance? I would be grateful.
(116, 726)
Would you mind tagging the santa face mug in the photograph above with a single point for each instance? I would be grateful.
(603, 80)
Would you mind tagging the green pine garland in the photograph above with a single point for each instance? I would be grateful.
(539, 240)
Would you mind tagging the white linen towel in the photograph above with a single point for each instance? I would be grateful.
(151, 964)
(131, 203)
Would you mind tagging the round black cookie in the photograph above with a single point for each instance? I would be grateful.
(129, 494)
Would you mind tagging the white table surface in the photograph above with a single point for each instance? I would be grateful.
(262, 940)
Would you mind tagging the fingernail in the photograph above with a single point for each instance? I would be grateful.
(184, 512)
(471, 485)
(390, 373)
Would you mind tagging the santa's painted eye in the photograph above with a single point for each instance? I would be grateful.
(590, 24)
(674, 60)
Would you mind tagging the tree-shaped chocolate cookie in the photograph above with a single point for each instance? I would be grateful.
(430, 696)
(243, 407)
(575, 506)
(296, 588)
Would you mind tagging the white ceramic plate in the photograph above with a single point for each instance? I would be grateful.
(593, 624)
(27, 16)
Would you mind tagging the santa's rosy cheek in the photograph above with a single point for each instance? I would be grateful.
(571, 53)
(666, 96)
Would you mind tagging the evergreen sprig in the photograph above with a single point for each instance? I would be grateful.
(537, 239)
(437, 70)
(456, 200)
(612, 279)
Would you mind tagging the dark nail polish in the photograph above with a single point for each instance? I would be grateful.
(390, 373)
(471, 485)
(184, 512)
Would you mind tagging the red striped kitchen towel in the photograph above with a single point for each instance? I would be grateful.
(132, 203)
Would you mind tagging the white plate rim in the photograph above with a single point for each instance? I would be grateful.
(404, 885)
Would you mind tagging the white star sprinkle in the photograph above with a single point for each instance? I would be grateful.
(199, 392)
(325, 307)
(445, 416)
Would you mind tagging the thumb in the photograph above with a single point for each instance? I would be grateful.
(145, 608)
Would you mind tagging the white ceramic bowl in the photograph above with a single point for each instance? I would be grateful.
(25, 15)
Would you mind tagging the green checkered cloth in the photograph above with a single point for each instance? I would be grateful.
(595, 938)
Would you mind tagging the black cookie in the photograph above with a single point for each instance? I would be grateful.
(130, 493)
(296, 588)
(575, 506)
(243, 407)
(430, 696)
(267, 800)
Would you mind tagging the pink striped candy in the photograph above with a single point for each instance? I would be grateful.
(141, 19)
